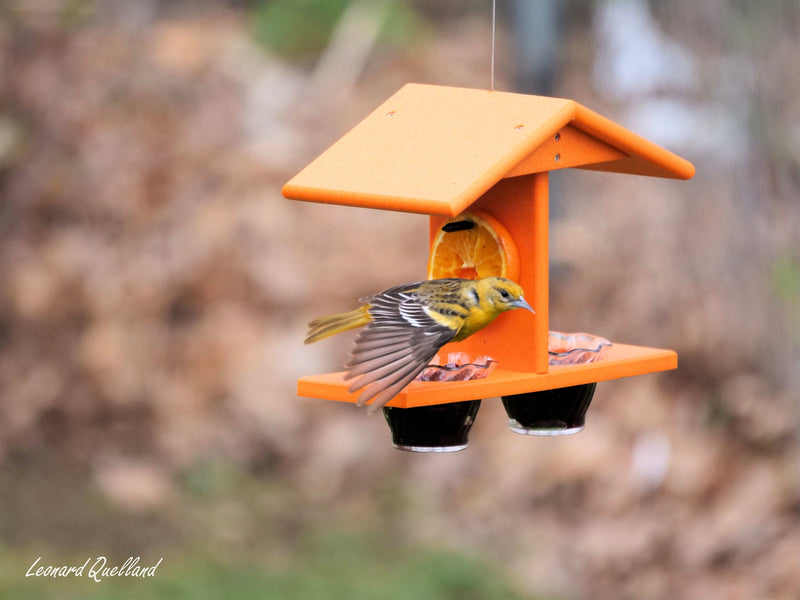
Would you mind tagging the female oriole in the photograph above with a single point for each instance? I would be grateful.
(406, 326)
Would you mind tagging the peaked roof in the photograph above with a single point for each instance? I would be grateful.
(435, 150)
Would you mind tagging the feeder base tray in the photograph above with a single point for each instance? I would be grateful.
(621, 360)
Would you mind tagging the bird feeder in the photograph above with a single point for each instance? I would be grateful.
(442, 151)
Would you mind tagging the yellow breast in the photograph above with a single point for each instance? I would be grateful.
(477, 319)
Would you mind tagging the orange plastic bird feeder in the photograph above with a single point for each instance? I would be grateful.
(442, 150)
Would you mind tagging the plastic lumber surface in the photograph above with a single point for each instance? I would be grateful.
(622, 360)
(435, 150)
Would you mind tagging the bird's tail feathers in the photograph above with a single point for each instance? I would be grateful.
(329, 325)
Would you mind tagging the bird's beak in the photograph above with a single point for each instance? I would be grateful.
(521, 303)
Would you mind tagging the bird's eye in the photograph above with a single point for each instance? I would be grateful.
(504, 293)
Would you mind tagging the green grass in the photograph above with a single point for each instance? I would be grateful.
(332, 567)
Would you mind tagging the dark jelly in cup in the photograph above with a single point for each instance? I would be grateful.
(437, 428)
(549, 412)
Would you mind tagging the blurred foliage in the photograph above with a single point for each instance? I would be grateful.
(210, 479)
(332, 567)
(786, 280)
(301, 29)
(296, 29)
(155, 287)
(786, 286)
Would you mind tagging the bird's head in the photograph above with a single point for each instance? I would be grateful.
(502, 294)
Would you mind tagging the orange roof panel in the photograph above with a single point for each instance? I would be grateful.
(435, 150)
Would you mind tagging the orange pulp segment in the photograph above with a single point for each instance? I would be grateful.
(473, 245)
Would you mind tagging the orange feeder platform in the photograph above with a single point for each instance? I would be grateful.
(442, 150)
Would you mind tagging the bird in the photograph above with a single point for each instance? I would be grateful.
(406, 325)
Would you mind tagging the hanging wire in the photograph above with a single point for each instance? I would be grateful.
(494, 25)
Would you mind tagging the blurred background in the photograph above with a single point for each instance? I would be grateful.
(155, 285)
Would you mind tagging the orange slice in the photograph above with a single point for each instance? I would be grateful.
(471, 246)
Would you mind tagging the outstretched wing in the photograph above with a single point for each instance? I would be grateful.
(395, 346)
